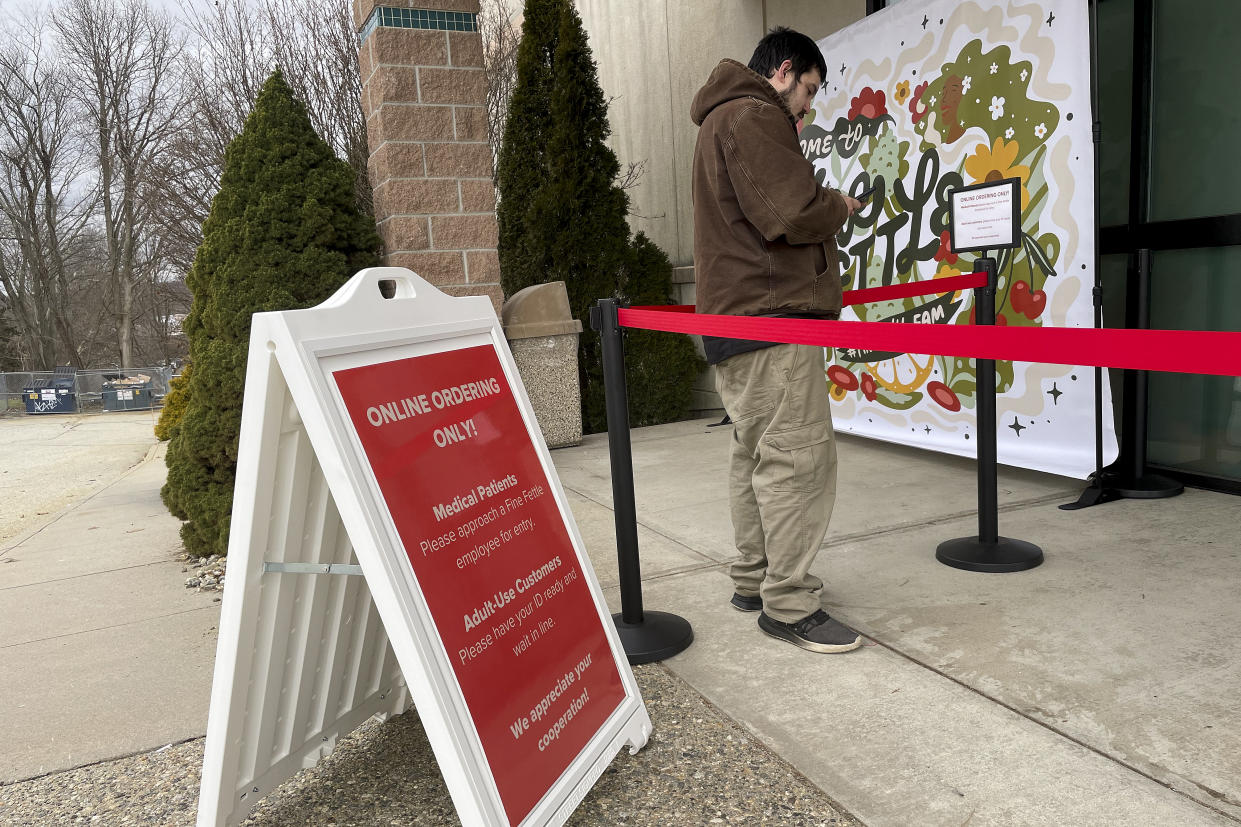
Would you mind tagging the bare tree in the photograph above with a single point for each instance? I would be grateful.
(315, 45)
(112, 142)
(500, 29)
(123, 56)
(226, 59)
(45, 197)
(234, 46)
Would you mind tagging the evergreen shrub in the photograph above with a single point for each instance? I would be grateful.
(283, 233)
(563, 218)
(174, 405)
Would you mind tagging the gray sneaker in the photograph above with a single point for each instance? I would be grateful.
(816, 633)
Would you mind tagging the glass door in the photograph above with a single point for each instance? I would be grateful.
(1171, 183)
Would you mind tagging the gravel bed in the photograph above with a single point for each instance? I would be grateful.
(206, 574)
(699, 767)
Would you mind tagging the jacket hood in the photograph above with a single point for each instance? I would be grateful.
(729, 81)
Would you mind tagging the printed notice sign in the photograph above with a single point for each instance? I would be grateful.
(986, 216)
(492, 557)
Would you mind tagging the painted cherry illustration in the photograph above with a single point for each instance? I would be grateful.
(1030, 304)
(1036, 305)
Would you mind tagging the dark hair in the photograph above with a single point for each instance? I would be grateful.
(781, 44)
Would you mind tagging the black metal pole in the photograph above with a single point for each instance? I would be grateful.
(646, 636)
(1135, 482)
(1097, 293)
(620, 456)
(988, 552)
(1097, 493)
(988, 484)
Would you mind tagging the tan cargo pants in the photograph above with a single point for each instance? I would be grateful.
(782, 475)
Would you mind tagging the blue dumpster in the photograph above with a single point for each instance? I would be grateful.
(128, 393)
(54, 395)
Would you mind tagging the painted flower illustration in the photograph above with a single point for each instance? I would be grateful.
(1040, 131)
(965, 84)
(994, 68)
(1008, 133)
(870, 103)
(902, 93)
(946, 272)
(997, 163)
(1025, 73)
(868, 387)
(997, 108)
(944, 253)
(916, 106)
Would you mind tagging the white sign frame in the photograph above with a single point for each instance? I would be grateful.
(985, 216)
(266, 722)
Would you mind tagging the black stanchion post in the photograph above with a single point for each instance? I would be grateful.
(646, 636)
(988, 551)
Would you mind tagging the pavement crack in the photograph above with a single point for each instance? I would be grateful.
(102, 761)
(212, 607)
(1067, 736)
(83, 574)
(1216, 794)
(708, 560)
(942, 519)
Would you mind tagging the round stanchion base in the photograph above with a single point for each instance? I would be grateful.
(973, 554)
(660, 635)
(1147, 487)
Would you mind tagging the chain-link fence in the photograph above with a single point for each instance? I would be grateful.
(101, 390)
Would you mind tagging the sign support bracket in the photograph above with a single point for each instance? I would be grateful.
(310, 568)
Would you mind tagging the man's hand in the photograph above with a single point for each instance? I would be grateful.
(852, 203)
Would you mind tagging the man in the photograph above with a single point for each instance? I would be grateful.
(764, 246)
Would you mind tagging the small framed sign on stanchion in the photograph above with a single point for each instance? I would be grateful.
(981, 218)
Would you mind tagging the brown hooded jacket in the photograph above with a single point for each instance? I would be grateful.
(764, 230)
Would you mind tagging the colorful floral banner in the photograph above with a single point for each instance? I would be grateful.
(923, 98)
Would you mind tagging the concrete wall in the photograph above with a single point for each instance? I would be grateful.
(653, 55)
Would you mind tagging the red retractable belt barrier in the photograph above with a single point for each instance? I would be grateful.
(1174, 351)
(870, 295)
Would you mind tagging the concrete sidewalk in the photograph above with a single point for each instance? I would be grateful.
(1098, 688)
(103, 651)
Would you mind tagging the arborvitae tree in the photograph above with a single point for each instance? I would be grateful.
(283, 233)
(659, 367)
(578, 216)
(174, 405)
(563, 217)
(522, 166)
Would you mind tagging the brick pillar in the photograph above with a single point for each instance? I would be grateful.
(424, 95)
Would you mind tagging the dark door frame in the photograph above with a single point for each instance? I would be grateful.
(1139, 233)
